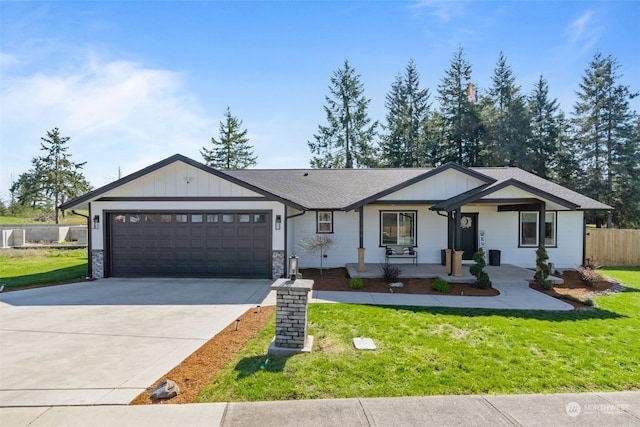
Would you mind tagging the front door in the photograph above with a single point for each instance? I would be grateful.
(468, 234)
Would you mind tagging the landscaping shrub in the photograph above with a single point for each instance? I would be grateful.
(482, 278)
(390, 272)
(356, 283)
(592, 263)
(542, 268)
(441, 285)
(590, 276)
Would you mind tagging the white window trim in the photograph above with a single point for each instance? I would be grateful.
(318, 222)
(554, 233)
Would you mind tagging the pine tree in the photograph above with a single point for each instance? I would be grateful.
(408, 110)
(507, 120)
(459, 114)
(604, 129)
(57, 177)
(545, 130)
(347, 140)
(232, 149)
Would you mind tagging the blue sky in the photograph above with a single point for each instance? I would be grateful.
(133, 82)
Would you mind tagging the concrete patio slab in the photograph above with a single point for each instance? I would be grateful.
(104, 342)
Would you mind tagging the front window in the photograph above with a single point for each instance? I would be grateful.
(325, 222)
(398, 228)
(529, 228)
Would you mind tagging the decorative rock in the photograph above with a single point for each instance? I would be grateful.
(396, 285)
(165, 390)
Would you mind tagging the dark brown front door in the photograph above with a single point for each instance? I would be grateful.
(190, 244)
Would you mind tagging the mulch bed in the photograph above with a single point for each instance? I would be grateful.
(199, 369)
(574, 286)
(337, 279)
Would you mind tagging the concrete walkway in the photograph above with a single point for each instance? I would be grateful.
(584, 410)
(511, 281)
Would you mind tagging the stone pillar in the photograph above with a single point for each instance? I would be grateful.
(360, 260)
(97, 264)
(447, 260)
(457, 263)
(291, 317)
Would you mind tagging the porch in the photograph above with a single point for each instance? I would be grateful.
(503, 274)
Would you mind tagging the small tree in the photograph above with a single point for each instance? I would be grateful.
(317, 242)
(542, 268)
(482, 278)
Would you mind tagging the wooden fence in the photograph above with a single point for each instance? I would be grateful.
(610, 246)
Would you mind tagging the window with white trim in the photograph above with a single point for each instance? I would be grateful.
(324, 222)
(398, 228)
(529, 229)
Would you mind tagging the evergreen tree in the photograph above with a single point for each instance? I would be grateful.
(604, 129)
(232, 150)
(507, 120)
(545, 130)
(459, 114)
(405, 143)
(347, 139)
(54, 176)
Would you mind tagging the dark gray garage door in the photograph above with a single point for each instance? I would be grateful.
(190, 244)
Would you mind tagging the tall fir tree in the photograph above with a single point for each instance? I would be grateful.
(347, 139)
(604, 129)
(54, 177)
(545, 129)
(459, 115)
(232, 150)
(405, 143)
(507, 120)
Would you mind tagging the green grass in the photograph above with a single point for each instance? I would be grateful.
(429, 351)
(69, 219)
(24, 267)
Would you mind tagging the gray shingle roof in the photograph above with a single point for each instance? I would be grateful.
(341, 188)
(348, 189)
(326, 188)
(505, 173)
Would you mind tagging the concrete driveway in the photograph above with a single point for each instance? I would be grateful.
(104, 342)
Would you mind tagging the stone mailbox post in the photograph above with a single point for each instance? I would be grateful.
(292, 297)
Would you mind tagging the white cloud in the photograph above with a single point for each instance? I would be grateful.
(116, 113)
(583, 32)
(445, 10)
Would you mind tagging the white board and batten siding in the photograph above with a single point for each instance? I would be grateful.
(501, 231)
(182, 180)
(441, 186)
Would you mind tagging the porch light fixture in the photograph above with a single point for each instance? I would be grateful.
(96, 222)
(293, 267)
(278, 221)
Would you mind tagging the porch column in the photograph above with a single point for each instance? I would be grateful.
(361, 247)
(541, 223)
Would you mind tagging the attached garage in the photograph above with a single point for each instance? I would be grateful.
(190, 244)
(180, 218)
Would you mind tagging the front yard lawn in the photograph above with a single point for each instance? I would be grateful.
(429, 351)
(26, 267)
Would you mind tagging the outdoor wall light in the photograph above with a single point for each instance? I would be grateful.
(96, 221)
(278, 221)
(293, 267)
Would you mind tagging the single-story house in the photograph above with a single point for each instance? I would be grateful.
(180, 218)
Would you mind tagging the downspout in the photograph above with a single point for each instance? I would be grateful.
(89, 263)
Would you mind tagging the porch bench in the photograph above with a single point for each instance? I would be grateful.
(401, 252)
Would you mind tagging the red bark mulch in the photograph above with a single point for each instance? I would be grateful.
(337, 279)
